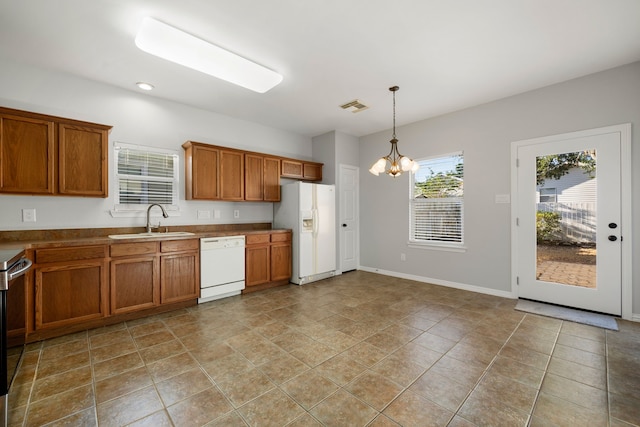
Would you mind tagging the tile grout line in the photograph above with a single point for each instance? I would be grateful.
(546, 368)
(484, 373)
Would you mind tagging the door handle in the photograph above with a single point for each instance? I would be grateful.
(612, 238)
(344, 225)
(613, 225)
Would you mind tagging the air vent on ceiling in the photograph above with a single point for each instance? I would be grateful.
(355, 106)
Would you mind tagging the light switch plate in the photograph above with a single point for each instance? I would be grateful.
(503, 198)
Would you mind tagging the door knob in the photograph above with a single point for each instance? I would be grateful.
(612, 238)
(613, 225)
(344, 225)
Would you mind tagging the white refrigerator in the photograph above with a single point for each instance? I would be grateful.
(309, 210)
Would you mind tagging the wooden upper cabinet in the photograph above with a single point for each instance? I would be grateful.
(254, 177)
(261, 178)
(297, 169)
(83, 161)
(42, 154)
(271, 179)
(27, 155)
(232, 175)
(291, 169)
(219, 173)
(312, 171)
(201, 171)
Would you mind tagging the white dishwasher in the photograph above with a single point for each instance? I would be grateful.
(221, 267)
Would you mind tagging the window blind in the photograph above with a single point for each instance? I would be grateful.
(437, 206)
(146, 176)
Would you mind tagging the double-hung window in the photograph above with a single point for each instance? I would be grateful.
(145, 175)
(437, 202)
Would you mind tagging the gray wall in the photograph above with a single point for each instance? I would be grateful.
(485, 134)
(138, 119)
(333, 149)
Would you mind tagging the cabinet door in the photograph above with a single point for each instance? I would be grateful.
(27, 155)
(134, 284)
(257, 262)
(280, 261)
(82, 161)
(179, 277)
(291, 169)
(312, 171)
(68, 294)
(271, 179)
(253, 177)
(203, 182)
(232, 175)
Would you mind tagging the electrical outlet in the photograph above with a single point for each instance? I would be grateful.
(236, 213)
(216, 213)
(403, 257)
(28, 215)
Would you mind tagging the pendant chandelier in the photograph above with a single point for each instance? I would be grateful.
(394, 163)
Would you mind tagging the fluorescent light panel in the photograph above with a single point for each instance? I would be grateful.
(169, 43)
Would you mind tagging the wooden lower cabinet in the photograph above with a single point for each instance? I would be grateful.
(70, 290)
(281, 261)
(267, 260)
(157, 273)
(257, 262)
(75, 288)
(180, 275)
(134, 284)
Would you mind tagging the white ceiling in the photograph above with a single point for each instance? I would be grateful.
(444, 55)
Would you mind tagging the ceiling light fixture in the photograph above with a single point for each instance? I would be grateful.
(394, 163)
(145, 86)
(174, 45)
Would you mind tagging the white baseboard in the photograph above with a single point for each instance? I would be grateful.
(635, 317)
(463, 286)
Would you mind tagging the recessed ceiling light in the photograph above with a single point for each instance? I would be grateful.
(174, 45)
(145, 86)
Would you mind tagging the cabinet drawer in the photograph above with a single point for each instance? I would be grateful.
(256, 239)
(70, 254)
(281, 237)
(128, 249)
(179, 245)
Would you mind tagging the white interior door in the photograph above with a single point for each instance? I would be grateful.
(348, 218)
(547, 272)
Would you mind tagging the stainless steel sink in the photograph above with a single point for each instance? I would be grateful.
(147, 235)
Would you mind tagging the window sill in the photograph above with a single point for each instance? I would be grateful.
(133, 212)
(435, 247)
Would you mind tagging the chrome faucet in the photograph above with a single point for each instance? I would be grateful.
(164, 214)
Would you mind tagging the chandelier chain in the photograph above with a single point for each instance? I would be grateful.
(394, 114)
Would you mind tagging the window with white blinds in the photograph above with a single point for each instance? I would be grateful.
(145, 175)
(437, 203)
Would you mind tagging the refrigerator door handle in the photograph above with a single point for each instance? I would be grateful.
(314, 212)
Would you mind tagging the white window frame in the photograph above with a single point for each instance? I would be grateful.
(435, 244)
(549, 192)
(128, 209)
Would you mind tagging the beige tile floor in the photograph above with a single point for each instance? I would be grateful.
(359, 349)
